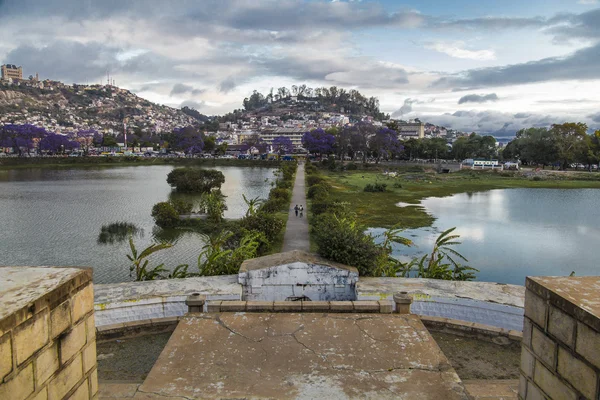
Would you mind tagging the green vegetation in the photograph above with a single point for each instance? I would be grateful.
(413, 184)
(117, 232)
(165, 215)
(195, 180)
(139, 263)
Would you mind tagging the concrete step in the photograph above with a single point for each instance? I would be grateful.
(492, 389)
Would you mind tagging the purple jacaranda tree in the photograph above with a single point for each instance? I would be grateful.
(55, 143)
(98, 139)
(254, 141)
(282, 145)
(318, 141)
(358, 137)
(21, 137)
(188, 139)
(385, 144)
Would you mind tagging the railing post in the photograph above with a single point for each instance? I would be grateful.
(195, 303)
(403, 302)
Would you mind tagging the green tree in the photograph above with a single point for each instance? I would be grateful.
(570, 139)
(165, 215)
(195, 180)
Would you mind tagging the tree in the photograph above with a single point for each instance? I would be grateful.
(188, 139)
(318, 141)
(194, 180)
(21, 137)
(55, 143)
(282, 145)
(85, 138)
(570, 141)
(254, 141)
(209, 144)
(384, 144)
(165, 215)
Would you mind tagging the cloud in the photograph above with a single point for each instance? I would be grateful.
(196, 105)
(587, 2)
(405, 109)
(595, 117)
(580, 65)
(477, 98)
(180, 88)
(227, 85)
(457, 50)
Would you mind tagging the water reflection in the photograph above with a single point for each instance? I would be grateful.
(53, 217)
(509, 234)
(118, 232)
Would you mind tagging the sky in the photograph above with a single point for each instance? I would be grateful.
(488, 66)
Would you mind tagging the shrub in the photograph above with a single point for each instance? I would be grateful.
(376, 187)
(310, 169)
(181, 206)
(397, 185)
(342, 240)
(351, 167)
(194, 180)
(319, 191)
(165, 215)
(278, 193)
(283, 184)
(537, 178)
(273, 205)
(312, 180)
(268, 224)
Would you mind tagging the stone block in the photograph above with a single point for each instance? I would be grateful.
(535, 308)
(562, 326)
(588, 344)
(386, 306)
(527, 332)
(89, 357)
(522, 387)
(46, 364)
(527, 362)
(214, 306)
(515, 335)
(534, 393)
(287, 306)
(577, 373)
(65, 380)
(20, 386)
(93, 379)
(82, 392)
(315, 306)
(41, 395)
(233, 306)
(72, 342)
(259, 306)
(83, 303)
(5, 356)
(60, 319)
(366, 306)
(90, 326)
(544, 348)
(31, 336)
(341, 306)
(551, 384)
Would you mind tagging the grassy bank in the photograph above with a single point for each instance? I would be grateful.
(85, 162)
(412, 185)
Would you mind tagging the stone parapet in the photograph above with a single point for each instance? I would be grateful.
(47, 333)
(486, 303)
(560, 357)
(381, 307)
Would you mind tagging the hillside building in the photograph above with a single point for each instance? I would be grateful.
(295, 135)
(11, 71)
(411, 130)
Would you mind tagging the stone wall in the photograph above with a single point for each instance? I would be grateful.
(560, 356)
(47, 334)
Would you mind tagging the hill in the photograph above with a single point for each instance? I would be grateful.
(59, 108)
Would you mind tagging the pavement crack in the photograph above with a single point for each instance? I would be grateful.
(366, 333)
(224, 325)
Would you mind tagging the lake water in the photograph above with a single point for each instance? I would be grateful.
(54, 216)
(509, 234)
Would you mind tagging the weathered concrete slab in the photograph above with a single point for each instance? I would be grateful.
(487, 303)
(135, 301)
(297, 274)
(302, 356)
(493, 389)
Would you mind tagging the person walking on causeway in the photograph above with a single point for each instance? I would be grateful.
(296, 209)
(301, 211)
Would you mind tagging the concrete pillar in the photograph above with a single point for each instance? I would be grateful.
(403, 302)
(195, 303)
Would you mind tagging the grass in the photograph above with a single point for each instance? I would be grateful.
(380, 210)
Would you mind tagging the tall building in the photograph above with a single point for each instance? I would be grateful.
(11, 71)
(415, 130)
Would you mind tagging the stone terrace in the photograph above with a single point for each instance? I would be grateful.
(291, 356)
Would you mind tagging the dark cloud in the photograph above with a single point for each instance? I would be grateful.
(180, 88)
(522, 115)
(196, 105)
(478, 98)
(405, 109)
(227, 85)
(595, 117)
(581, 65)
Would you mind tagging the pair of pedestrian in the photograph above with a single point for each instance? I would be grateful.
(299, 209)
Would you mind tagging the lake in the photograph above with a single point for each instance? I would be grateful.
(509, 234)
(53, 216)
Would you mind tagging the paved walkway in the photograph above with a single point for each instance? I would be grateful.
(296, 231)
